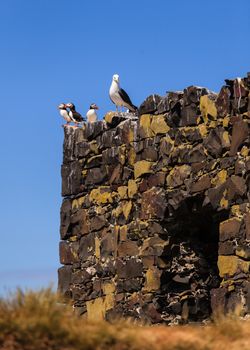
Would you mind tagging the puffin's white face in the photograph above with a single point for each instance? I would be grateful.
(116, 78)
(94, 106)
(61, 106)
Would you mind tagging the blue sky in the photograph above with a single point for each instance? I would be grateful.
(56, 51)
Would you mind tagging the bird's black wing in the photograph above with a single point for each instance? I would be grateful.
(125, 97)
(77, 116)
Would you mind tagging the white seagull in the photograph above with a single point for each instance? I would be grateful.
(118, 96)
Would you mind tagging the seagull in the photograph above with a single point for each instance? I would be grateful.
(64, 113)
(74, 115)
(118, 96)
(91, 114)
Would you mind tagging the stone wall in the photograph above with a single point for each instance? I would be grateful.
(155, 221)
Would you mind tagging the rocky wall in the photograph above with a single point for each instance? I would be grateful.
(155, 221)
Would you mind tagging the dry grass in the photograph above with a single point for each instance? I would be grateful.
(36, 321)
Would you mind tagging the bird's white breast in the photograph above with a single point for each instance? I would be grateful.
(65, 115)
(114, 94)
(91, 116)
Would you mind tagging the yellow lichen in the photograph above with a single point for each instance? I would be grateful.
(97, 247)
(123, 192)
(207, 106)
(226, 139)
(244, 151)
(101, 195)
(145, 123)
(203, 129)
(225, 121)
(220, 178)
(126, 208)
(77, 203)
(142, 167)
(131, 156)
(158, 125)
(229, 264)
(153, 279)
(108, 288)
(132, 188)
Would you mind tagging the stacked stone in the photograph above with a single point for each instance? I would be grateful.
(154, 221)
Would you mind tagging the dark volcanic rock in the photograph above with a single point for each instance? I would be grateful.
(155, 221)
(71, 178)
(150, 104)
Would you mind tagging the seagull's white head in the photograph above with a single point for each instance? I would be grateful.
(116, 78)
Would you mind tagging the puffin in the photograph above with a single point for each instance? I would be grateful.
(64, 113)
(119, 97)
(74, 115)
(91, 114)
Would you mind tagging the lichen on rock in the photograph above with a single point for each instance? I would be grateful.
(155, 220)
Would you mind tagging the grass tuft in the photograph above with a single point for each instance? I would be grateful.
(39, 321)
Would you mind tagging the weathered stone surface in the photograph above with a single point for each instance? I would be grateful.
(97, 308)
(247, 223)
(243, 252)
(64, 280)
(239, 134)
(153, 204)
(132, 188)
(202, 184)
(155, 222)
(178, 175)
(145, 130)
(153, 246)
(215, 195)
(159, 125)
(110, 155)
(153, 279)
(108, 244)
(213, 143)
(127, 131)
(163, 105)
(93, 162)
(207, 107)
(128, 248)
(218, 300)
(189, 116)
(129, 269)
(92, 130)
(68, 252)
(150, 104)
(101, 195)
(115, 174)
(223, 102)
(150, 154)
(97, 223)
(226, 248)
(236, 187)
(230, 265)
(71, 178)
(95, 176)
(87, 244)
(113, 118)
(65, 218)
(229, 229)
(142, 167)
